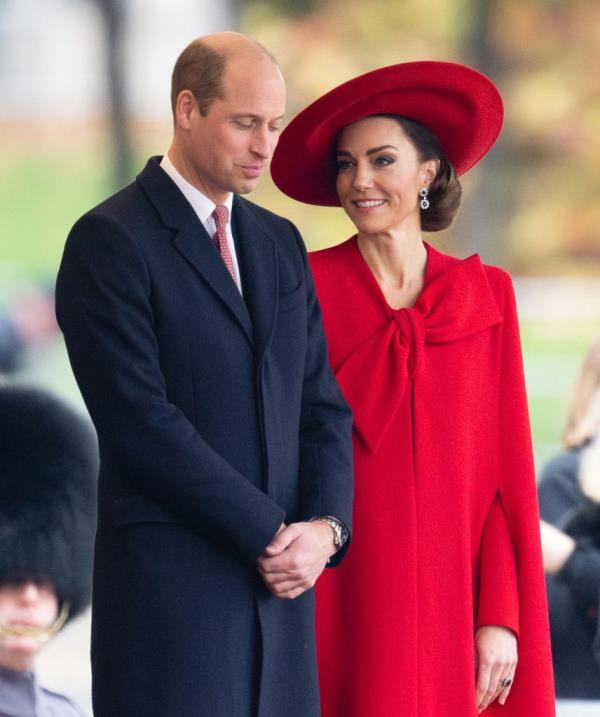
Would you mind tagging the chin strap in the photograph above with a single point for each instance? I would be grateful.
(39, 633)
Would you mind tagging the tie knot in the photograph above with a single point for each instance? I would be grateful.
(221, 215)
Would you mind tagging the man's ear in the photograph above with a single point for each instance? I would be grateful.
(185, 106)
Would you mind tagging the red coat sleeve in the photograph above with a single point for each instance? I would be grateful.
(518, 498)
(498, 602)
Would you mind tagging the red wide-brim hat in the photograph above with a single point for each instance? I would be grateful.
(459, 105)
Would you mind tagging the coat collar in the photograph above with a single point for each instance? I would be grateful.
(191, 240)
(455, 303)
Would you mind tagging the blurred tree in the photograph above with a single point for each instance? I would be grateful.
(113, 14)
(482, 223)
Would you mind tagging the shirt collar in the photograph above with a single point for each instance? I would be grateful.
(18, 692)
(201, 204)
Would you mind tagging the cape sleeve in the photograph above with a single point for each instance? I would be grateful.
(498, 599)
(533, 688)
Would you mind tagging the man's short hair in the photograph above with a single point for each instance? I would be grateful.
(200, 70)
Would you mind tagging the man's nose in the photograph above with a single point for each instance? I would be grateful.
(263, 142)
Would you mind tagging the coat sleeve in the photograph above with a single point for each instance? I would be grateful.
(103, 302)
(533, 689)
(498, 600)
(326, 468)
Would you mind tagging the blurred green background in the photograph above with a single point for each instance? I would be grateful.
(531, 206)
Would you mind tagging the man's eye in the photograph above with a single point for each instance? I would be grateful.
(244, 125)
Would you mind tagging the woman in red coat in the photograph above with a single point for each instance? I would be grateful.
(443, 588)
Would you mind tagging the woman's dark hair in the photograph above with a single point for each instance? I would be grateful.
(445, 191)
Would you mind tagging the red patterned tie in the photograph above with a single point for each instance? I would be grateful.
(221, 215)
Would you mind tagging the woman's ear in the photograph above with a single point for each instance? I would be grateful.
(430, 170)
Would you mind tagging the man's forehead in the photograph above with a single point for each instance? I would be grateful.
(255, 65)
(253, 92)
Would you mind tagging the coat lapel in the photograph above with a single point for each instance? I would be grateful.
(260, 270)
(192, 241)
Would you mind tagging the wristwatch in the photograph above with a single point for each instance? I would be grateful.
(340, 534)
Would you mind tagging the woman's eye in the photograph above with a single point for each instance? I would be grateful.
(383, 161)
(343, 164)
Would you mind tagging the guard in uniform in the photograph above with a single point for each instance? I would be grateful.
(48, 469)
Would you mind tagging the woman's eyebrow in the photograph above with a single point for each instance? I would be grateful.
(383, 146)
(345, 153)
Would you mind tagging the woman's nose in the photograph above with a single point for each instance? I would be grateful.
(363, 178)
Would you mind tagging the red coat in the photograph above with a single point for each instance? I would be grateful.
(445, 526)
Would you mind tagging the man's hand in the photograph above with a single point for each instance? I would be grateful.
(296, 557)
(496, 649)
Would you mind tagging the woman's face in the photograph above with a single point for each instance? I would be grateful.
(379, 175)
(26, 605)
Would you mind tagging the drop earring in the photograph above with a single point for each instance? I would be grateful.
(424, 203)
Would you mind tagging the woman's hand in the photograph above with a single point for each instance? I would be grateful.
(496, 660)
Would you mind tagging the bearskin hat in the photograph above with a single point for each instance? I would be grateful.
(48, 469)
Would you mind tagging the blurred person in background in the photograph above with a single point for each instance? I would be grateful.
(192, 327)
(48, 466)
(26, 323)
(569, 493)
(443, 589)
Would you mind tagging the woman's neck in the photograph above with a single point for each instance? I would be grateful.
(397, 260)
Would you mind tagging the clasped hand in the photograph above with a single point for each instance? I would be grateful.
(295, 558)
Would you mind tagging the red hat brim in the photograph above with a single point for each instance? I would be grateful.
(459, 105)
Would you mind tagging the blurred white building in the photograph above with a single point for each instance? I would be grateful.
(52, 63)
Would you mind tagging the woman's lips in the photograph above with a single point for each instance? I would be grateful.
(368, 205)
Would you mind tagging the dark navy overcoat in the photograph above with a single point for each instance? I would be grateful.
(218, 419)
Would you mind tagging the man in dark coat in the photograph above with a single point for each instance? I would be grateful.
(193, 330)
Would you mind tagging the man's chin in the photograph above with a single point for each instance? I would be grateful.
(246, 185)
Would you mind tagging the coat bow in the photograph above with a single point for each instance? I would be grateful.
(374, 376)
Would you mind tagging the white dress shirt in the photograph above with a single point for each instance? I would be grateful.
(204, 208)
